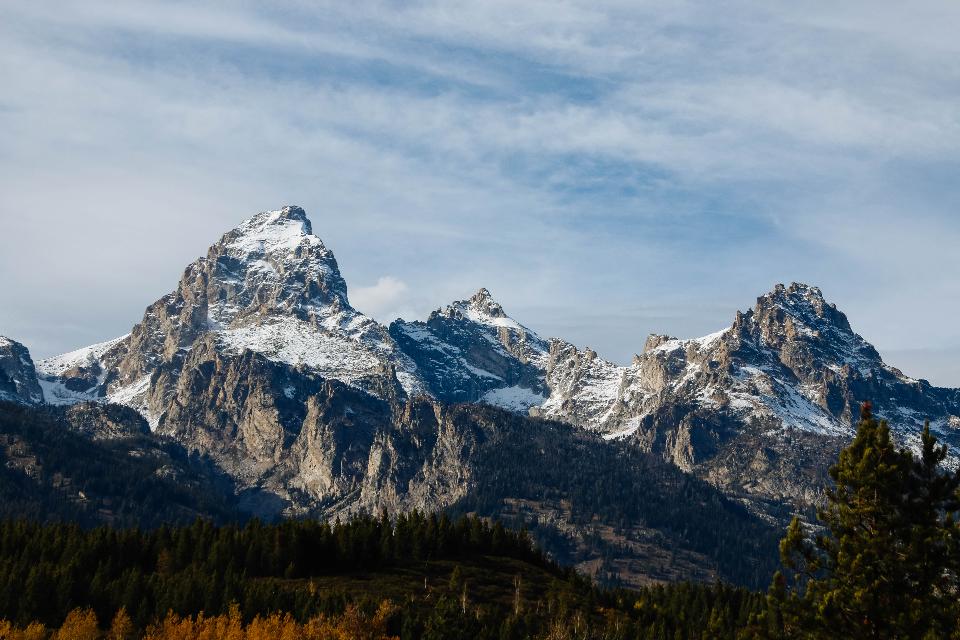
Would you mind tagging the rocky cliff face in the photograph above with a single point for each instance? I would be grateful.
(793, 361)
(18, 377)
(268, 286)
(789, 369)
(472, 351)
(760, 409)
(258, 359)
(794, 357)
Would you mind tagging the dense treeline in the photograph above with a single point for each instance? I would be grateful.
(47, 570)
(456, 610)
(495, 584)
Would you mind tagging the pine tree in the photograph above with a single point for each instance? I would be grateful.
(887, 560)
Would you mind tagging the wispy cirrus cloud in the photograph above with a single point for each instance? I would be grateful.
(607, 169)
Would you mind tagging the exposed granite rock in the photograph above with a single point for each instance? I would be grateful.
(269, 286)
(318, 444)
(471, 351)
(326, 449)
(786, 378)
(258, 360)
(18, 377)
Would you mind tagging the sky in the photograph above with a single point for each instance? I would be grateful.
(606, 169)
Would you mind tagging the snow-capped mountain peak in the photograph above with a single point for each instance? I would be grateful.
(808, 334)
(481, 309)
(483, 303)
(268, 286)
(801, 309)
(280, 231)
(472, 350)
(270, 263)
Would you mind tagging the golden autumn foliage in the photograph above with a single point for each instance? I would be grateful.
(122, 626)
(81, 624)
(34, 631)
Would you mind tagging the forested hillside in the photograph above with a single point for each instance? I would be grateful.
(615, 513)
(424, 576)
(51, 472)
(884, 563)
(611, 509)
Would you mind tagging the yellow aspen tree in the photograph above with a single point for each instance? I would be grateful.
(122, 626)
(320, 628)
(80, 624)
(234, 629)
(34, 631)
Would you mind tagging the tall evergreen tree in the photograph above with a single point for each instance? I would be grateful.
(885, 560)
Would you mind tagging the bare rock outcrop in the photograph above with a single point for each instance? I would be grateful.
(18, 376)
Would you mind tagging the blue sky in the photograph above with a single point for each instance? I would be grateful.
(606, 169)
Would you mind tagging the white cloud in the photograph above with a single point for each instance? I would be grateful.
(384, 297)
(588, 155)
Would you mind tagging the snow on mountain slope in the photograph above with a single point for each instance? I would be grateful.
(785, 379)
(332, 354)
(584, 388)
(83, 357)
(77, 376)
(471, 351)
(268, 286)
(516, 398)
(792, 362)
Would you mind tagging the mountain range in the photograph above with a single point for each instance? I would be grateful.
(258, 363)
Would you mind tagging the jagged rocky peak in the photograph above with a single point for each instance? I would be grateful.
(481, 315)
(280, 229)
(810, 333)
(18, 377)
(271, 263)
(268, 271)
(483, 302)
(800, 306)
(792, 360)
(277, 233)
(471, 350)
(480, 308)
(654, 341)
(268, 286)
